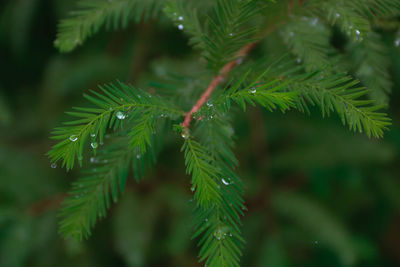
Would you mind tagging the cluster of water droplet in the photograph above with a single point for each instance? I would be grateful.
(180, 20)
(221, 233)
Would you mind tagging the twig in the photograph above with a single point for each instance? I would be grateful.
(215, 82)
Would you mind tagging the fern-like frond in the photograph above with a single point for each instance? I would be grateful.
(371, 62)
(185, 17)
(92, 195)
(113, 107)
(341, 94)
(270, 94)
(343, 14)
(94, 14)
(227, 32)
(205, 176)
(218, 227)
(309, 40)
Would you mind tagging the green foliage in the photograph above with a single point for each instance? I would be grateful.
(220, 30)
(340, 93)
(219, 226)
(93, 14)
(113, 107)
(204, 175)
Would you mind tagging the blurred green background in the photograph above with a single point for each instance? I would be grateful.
(317, 194)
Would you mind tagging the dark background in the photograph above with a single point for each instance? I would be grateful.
(317, 194)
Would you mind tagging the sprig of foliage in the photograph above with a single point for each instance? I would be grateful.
(371, 65)
(219, 226)
(220, 33)
(93, 14)
(116, 105)
(341, 94)
(227, 31)
(204, 175)
(91, 196)
(269, 94)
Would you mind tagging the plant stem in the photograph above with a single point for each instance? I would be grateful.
(215, 82)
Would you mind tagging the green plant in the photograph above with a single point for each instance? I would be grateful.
(303, 68)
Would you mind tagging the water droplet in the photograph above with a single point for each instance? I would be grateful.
(231, 34)
(175, 14)
(206, 220)
(94, 145)
(53, 165)
(180, 27)
(120, 115)
(357, 32)
(397, 42)
(298, 60)
(192, 188)
(185, 134)
(209, 104)
(225, 182)
(316, 242)
(180, 18)
(253, 90)
(230, 234)
(291, 34)
(92, 135)
(138, 156)
(338, 15)
(314, 22)
(73, 138)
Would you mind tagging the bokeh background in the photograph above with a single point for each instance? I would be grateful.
(317, 194)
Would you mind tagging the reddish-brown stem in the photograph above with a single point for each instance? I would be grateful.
(215, 82)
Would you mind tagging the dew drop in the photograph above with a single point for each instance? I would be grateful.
(209, 104)
(316, 242)
(357, 32)
(298, 60)
(120, 115)
(206, 220)
(192, 188)
(73, 138)
(138, 156)
(397, 42)
(253, 90)
(225, 182)
(180, 18)
(93, 160)
(338, 15)
(291, 34)
(92, 135)
(231, 34)
(94, 145)
(180, 27)
(53, 165)
(185, 134)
